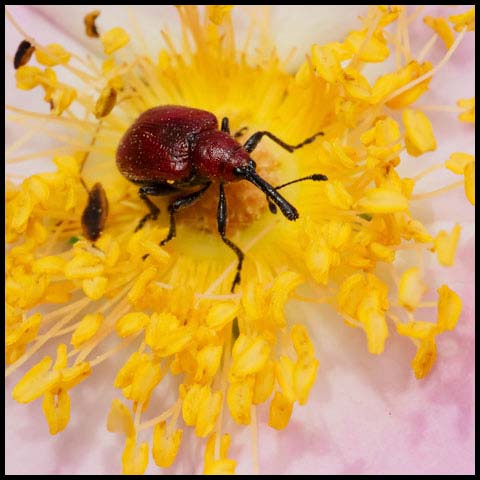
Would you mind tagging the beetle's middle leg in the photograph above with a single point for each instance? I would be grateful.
(222, 228)
(154, 190)
(179, 204)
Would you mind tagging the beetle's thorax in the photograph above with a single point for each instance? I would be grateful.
(216, 154)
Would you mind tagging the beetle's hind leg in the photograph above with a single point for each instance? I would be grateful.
(154, 190)
(152, 215)
(222, 227)
(179, 204)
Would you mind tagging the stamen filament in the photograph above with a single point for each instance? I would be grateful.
(431, 72)
(452, 186)
(427, 171)
(160, 418)
(427, 47)
(44, 338)
(101, 358)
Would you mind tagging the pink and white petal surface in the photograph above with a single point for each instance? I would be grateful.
(366, 414)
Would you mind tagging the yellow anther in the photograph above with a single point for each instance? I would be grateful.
(469, 173)
(218, 13)
(446, 245)
(424, 358)
(449, 308)
(280, 411)
(62, 98)
(304, 376)
(56, 407)
(28, 77)
(87, 328)
(131, 323)
(249, 355)
(240, 398)
(419, 132)
(382, 200)
(411, 288)
(120, 419)
(464, 20)
(326, 63)
(135, 457)
(442, 28)
(114, 39)
(38, 380)
(165, 445)
(95, 288)
(51, 55)
(221, 314)
(105, 102)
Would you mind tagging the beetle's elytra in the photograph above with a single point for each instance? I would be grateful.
(173, 149)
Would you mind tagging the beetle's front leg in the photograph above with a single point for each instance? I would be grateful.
(179, 204)
(154, 190)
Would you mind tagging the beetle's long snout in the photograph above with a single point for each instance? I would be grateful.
(286, 208)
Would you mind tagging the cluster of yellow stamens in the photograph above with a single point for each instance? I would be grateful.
(225, 350)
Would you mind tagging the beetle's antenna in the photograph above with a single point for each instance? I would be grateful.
(316, 177)
(288, 210)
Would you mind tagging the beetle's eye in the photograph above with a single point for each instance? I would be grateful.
(239, 172)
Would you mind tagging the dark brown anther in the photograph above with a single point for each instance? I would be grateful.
(24, 53)
(90, 27)
(95, 213)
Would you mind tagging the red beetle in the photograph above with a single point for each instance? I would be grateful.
(172, 148)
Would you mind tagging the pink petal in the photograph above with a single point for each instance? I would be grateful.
(366, 414)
